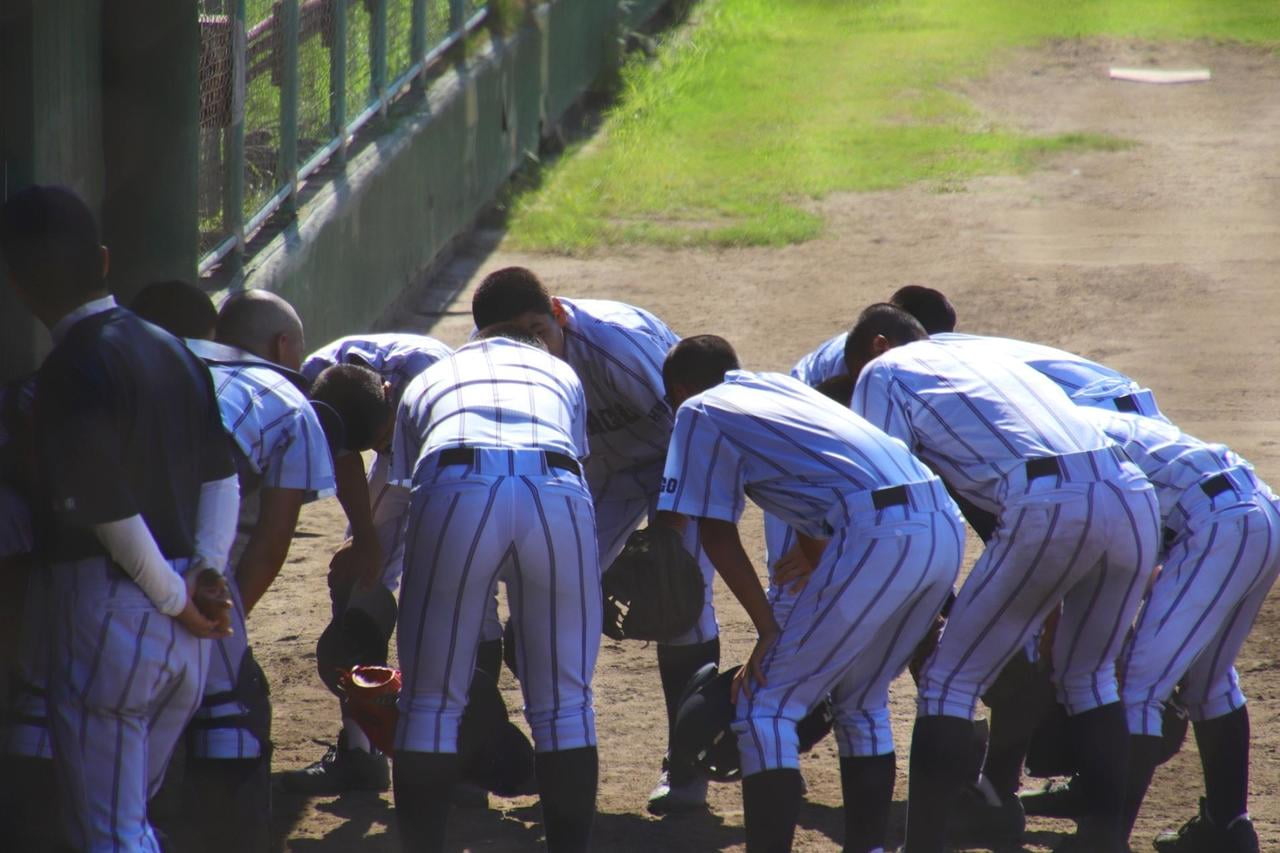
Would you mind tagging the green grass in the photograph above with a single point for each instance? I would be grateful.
(761, 106)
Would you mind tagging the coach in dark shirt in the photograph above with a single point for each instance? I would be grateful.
(132, 451)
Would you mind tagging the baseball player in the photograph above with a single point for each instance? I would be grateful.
(497, 491)
(131, 448)
(283, 460)
(353, 763)
(1221, 557)
(1077, 524)
(29, 817)
(890, 544)
(617, 352)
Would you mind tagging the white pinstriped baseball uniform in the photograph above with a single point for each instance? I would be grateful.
(895, 548)
(398, 357)
(1222, 556)
(496, 492)
(1086, 382)
(617, 351)
(281, 446)
(1077, 523)
(26, 731)
(125, 423)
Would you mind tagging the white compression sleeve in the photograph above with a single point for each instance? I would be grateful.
(132, 546)
(216, 519)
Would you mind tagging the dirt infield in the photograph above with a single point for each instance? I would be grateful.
(1160, 260)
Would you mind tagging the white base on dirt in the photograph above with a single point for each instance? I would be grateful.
(1160, 75)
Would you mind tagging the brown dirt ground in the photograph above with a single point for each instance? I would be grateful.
(1159, 260)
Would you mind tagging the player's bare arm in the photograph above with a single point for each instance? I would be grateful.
(795, 566)
(723, 545)
(268, 543)
(366, 558)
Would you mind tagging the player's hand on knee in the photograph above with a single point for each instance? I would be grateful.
(752, 673)
(792, 570)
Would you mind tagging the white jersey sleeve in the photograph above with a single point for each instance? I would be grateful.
(704, 475)
(873, 399)
(406, 441)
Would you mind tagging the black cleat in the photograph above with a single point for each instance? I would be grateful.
(1202, 835)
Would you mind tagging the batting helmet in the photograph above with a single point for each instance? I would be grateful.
(704, 736)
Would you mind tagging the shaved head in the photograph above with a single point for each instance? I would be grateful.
(260, 322)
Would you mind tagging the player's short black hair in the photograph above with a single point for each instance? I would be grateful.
(356, 394)
(880, 319)
(506, 294)
(700, 362)
(49, 240)
(838, 388)
(512, 332)
(931, 307)
(178, 307)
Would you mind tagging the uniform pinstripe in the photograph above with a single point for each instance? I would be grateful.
(881, 581)
(617, 351)
(281, 446)
(504, 511)
(398, 358)
(1222, 558)
(1083, 531)
(124, 678)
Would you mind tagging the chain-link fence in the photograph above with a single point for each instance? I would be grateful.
(285, 83)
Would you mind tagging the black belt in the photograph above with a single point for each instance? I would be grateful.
(1215, 486)
(1045, 466)
(1127, 403)
(892, 496)
(467, 456)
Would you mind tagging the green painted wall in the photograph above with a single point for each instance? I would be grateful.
(50, 128)
(363, 240)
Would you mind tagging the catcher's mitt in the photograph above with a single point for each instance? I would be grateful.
(654, 590)
(369, 695)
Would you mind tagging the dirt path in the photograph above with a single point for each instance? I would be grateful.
(1159, 259)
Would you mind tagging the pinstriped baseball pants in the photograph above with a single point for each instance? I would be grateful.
(852, 630)
(124, 681)
(509, 515)
(1088, 540)
(1201, 608)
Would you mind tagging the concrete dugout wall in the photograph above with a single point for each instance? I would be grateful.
(84, 104)
(376, 227)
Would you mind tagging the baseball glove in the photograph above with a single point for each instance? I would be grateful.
(212, 597)
(654, 590)
(369, 695)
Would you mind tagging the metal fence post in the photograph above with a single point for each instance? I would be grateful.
(233, 191)
(338, 76)
(418, 39)
(457, 17)
(378, 53)
(287, 43)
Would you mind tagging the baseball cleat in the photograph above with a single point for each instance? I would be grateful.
(339, 771)
(1202, 835)
(1056, 799)
(667, 798)
(981, 816)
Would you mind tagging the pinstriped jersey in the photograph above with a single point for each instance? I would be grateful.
(396, 357)
(493, 393)
(789, 448)
(272, 424)
(1086, 382)
(16, 534)
(974, 418)
(826, 362)
(617, 351)
(1172, 460)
